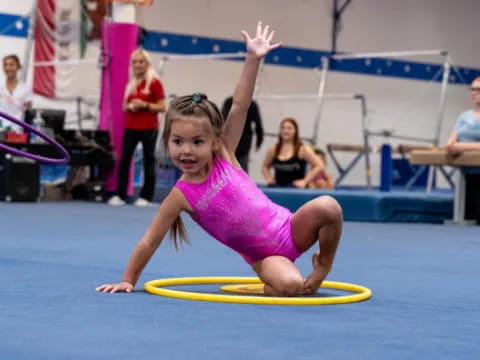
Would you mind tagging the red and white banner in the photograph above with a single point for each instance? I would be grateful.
(44, 76)
(65, 66)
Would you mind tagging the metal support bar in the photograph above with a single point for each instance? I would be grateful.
(415, 177)
(164, 59)
(443, 96)
(366, 142)
(301, 97)
(459, 201)
(29, 45)
(447, 176)
(344, 172)
(336, 17)
(204, 56)
(275, 135)
(388, 133)
(321, 93)
(379, 55)
(441, 111)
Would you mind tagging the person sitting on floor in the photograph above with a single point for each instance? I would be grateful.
(289, 158)
(323, 180)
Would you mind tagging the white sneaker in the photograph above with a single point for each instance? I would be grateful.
(140, 202)
(116, 201)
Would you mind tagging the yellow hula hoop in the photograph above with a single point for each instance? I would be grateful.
(156, 287)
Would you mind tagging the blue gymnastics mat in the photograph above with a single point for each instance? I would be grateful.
(425, 303)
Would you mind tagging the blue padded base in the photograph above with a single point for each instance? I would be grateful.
(363, 205)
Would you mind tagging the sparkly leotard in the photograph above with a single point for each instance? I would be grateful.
(232, 209)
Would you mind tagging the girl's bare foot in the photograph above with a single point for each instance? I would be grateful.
(316, 277)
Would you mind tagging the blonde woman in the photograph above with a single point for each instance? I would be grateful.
(144, 99)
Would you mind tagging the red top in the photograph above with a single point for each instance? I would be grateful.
(145, 120)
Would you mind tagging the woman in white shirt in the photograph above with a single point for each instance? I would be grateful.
(15, 96)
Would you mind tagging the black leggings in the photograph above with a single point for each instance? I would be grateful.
(472, 197)
(131, 138)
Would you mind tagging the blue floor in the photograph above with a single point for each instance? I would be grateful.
(424, 278)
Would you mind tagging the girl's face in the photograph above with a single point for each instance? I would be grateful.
(10, 68)
(139, 65)
(475, 91)
(191, 145)
(287, 131)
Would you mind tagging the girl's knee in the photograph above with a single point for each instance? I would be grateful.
(289, 286)
(330, 208)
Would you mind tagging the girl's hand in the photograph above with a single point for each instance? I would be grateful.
(113, 288)
(260, 45)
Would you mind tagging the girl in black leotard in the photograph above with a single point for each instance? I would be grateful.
(289, 159)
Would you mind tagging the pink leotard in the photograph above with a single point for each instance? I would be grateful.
(232, 209)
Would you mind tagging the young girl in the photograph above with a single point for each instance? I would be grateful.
(225, 202)
(323, 180)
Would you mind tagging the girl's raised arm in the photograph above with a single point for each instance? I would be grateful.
(257, 48)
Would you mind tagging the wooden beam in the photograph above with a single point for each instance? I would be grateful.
(441, 157)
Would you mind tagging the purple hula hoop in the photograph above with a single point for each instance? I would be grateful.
(56, 145)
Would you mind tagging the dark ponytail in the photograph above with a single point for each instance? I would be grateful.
(178, 230)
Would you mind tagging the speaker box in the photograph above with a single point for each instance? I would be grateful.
(19, 178)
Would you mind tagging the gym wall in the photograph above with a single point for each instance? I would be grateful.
(407, 105)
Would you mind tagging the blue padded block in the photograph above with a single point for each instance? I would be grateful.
(358, 205)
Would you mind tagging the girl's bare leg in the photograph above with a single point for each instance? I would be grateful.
(320, 219)
(280, 276)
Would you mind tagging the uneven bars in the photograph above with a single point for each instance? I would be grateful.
(306, 96)
(275, 135)
(441, 52)
(204, 56)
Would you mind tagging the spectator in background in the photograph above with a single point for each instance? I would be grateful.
(253, 119)
(466, 136)
(289, 158)
(144, 99)
(323, 180)
(15, 95)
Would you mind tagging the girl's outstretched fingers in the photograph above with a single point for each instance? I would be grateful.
(260, 45)
(259, 29)
(245, 35)
(113, 288)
